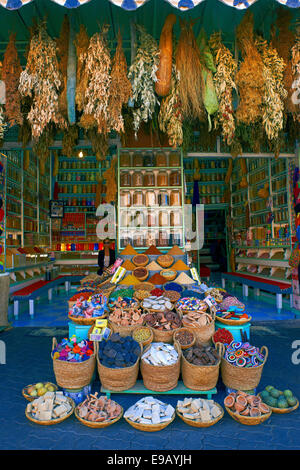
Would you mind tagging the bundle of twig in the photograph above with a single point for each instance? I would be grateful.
(11, 71)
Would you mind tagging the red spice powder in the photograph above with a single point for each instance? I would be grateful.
(157, 279)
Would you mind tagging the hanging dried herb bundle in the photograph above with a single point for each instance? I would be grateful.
(224, 80)
(81, 43)
(41, 80)
(296, 72)
(170, 117)
(188, 64)
(249, 78)
(274, 92)
(41, 146)
(97, 93)
(62, 44)
(282, 40)
(120, 89)
(69, 140)
(11, 71)
(99, 143)
(111, 185)
(142, 74)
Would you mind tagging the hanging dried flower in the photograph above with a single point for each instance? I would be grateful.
(11, 71)
(224, 80)
(296, 73)
(99, 143)
(97, 93)
(142, 74)
(274, 92)
(69, 140)
(188, 64)
(41, 80)
(41, 147)
(170, 116)
(120, 89)
(81, 43)
(111, 185)
(62, 44)
(249, 78)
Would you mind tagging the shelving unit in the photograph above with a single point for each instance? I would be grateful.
(150, 198)
(263, 248)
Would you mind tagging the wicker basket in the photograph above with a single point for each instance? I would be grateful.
(146, 342)
(181, 345)
(241, 378)
(199, 377)
(73, 375)
(123, 330)
(200, 424)
(143, 278)
(29, 397)
(138, 264)
(85, 321)
(52, 421)
(165, 261)
(144, 286)
(228, 322)
(117, 380)
(161, 378)
(248, 420)
(97, 425)
(170, 277)
(203, 333)
(161, 336)
(282, 410)
(149, 427)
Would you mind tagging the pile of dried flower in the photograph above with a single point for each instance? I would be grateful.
(170, 117)
(81, 43)
(41, 80)
(11, 71)
(69, 140)
(97, 65)
(142, 74)
(274, 93)
(188, 64)
(296, 72)
(120, 88)
(224, 80)
(249, 79)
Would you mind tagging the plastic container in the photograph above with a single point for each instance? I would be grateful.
(235, 330)
(80, 331)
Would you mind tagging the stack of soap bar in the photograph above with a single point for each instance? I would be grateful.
(52, 405)
(199, 409)
(149, 410)
(100, 331)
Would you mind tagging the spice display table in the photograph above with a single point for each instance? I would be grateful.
(277, 287)
(179, 390)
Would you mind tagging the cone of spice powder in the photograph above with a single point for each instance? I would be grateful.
(157, 279)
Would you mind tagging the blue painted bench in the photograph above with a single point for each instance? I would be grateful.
(277, 287)
(35, 290)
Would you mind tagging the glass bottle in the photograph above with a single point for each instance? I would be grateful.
(138, 198)
(137, 179)
(149, 178)
(174, 159)
(125, 199)
(125, 179)
(175, 178)
(149, 159)
(163, 198)
(175, 198)
(162, 178)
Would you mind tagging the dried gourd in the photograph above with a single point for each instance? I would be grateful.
(164, 72)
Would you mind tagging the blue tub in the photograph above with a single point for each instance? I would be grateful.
(235, 330)
(80, 331)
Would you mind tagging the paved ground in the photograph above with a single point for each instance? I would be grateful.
(28, 361)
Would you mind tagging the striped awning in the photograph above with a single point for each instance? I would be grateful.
(130, 5)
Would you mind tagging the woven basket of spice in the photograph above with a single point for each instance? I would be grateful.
(165, 261)
(185, 338)
(140, 260)
(141, 273)
(163, 325)
(168, 274)
(143, 335)
(202, 325)
(200, 367)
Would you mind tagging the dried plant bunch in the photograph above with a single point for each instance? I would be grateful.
(42, 81)
(249, 78)
(142, 74)
(170, 116)
(62, 44)
(69, 140)
(120, 88)
(11, 71)
(81, 43)
(274, 93)
(296, 72)
(283, 39)
(99, 143)
(97, 66)
(188, 64)
(3, 124)
(224, 81)
(111, 185)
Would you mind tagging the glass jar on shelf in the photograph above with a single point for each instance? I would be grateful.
(174, 159)
(137, 179)
(149, 159)
(139, 239)
(150, 198)
(175, 218)
(175, 178)
(162, 178)
(163, 238)
(125, 179)
(151, 218)
(138, 159)
(151, 238)
(137, 219)
(138, 198)
(175, 197)
(149, 178)
(163, 219)
(125, 199)
(163, 198)
(161, 159)
(125, 159)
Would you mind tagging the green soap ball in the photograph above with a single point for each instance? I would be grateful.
(282, 403)
(275, 393)
(292, 401)
(264, 395)
(269, 388)
(288, 393)
(271, 401)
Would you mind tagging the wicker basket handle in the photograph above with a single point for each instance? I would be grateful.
(54, 343)
(220, 349)
(266, 353)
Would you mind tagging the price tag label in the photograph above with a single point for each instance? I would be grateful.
(119, 274)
